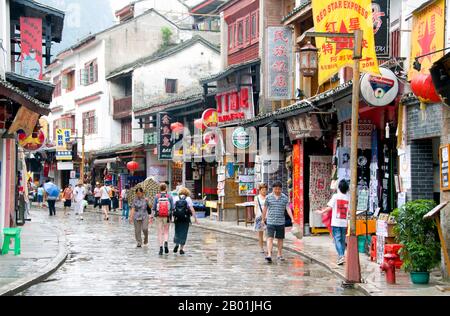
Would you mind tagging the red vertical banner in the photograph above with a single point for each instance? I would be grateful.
(298, 168)
(31, 45)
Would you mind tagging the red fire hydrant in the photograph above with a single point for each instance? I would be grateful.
(388, 266)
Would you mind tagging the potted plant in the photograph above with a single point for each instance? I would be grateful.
(421, 250)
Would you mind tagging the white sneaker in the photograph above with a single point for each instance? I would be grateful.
(341, 261)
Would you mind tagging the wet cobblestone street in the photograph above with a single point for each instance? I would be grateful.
(103, 260)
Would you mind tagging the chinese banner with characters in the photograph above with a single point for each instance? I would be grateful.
(63, 152)
(280, 61)
(427, 36)
(331, 16)
(298, 188)
(31, 45)
(165, 142)
(380, 14)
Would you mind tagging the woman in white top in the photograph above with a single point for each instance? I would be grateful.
(260, 200)
(105, 201)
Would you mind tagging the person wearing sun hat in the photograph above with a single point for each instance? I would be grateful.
(79, 193)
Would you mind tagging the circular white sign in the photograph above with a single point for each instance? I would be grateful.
(242, 139)
(379, 90)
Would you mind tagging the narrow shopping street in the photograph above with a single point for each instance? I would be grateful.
(103, 260)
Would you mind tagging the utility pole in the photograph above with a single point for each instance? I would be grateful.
(353, 268)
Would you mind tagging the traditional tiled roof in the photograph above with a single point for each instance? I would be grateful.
(302, 5)
(192, 95)
(43, 90)
(228, 71)
(117, 149)
(162, 54)
(299, 107)
(38, 106)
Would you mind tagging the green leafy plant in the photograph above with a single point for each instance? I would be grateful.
(166, 35)
(421, 250)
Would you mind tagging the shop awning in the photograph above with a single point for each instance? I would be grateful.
(119, 149)
(99, 162)
(300, 107)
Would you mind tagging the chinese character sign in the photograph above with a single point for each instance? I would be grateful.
(280, 60)
(332, 16)
(31, 45)
(380, 26)
(165, 142)
(427, 36)
(298, 181)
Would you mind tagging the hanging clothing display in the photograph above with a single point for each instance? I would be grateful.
(373, 186)
(319, 188)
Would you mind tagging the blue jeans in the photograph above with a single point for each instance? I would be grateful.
(339, 235)
(125, 209)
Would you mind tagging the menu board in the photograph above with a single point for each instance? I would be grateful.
(444, 159)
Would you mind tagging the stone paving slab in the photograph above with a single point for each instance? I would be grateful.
(320, 249)
(43, 250)
(103, 260)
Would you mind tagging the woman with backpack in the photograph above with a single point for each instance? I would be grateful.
(184, 209)
(162, 210)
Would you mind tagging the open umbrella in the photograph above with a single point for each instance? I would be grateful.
(51, 189)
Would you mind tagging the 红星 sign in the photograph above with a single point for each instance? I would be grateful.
(345, 16)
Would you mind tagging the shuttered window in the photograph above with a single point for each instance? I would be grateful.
(126, 131)
(89, 123)
(171, 85)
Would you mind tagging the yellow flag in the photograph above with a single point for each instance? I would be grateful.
(346, 16)
(427, 36)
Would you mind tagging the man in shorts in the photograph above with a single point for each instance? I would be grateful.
(274, 210)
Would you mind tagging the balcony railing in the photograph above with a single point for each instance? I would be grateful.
(122, 108)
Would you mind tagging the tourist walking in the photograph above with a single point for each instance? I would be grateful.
(162, 211)
(79, 194)
(97, 195)
(338, 206)
(105, 201)
(40, 195)
(125, 205)
(273, 215)
(114, 198)
(67, 198)
(52, 193)
(260, 201)
(140, 217)
(184, 209)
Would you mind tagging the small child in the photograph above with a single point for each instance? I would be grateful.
(338, 206)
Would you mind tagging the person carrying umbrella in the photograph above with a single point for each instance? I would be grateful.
(52, 194)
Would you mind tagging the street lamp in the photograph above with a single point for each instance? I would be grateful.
(308, 60)
(353, 268)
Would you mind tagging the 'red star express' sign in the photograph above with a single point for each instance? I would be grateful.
(345, 16)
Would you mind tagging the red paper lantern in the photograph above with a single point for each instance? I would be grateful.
(423, 87)
(132, 166)
(177, 127)
(199, 124)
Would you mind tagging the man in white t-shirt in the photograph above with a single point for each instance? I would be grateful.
(79, 193)
(339, 206)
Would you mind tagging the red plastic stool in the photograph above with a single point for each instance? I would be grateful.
(373, 249)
